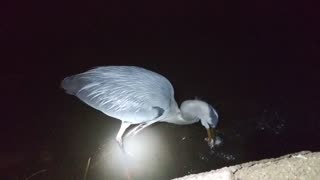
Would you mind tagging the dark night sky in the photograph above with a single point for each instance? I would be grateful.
(267, 44)
(243, 39)
(262, 50)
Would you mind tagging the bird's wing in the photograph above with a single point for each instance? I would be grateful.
(128, 93)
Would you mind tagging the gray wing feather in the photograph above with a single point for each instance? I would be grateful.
(128, 93)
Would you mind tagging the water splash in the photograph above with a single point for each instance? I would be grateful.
(271, 122)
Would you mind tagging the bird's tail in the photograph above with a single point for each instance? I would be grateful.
(71, 85)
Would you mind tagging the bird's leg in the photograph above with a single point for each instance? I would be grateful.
(133, 130)
(144, 126)
(123, 127)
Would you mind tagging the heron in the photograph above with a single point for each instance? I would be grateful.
(138, 96)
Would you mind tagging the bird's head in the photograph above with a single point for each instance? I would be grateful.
(197, 110)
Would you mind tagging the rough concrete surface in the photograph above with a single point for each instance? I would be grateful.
(303, 165)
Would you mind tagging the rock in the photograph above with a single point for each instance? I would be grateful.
(304, 165)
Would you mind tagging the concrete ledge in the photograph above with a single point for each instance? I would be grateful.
(304, 165)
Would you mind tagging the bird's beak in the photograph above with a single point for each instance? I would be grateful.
(211, 133)
(211, 137)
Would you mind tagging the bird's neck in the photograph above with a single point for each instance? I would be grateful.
(179, 120)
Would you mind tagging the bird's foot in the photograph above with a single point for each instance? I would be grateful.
(120, 144)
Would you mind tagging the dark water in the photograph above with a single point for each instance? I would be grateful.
(258, 66)
(57, 132)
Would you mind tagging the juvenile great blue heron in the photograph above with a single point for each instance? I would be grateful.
(136, 95)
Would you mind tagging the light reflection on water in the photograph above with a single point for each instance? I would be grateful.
(146, 154)
(160, 152)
